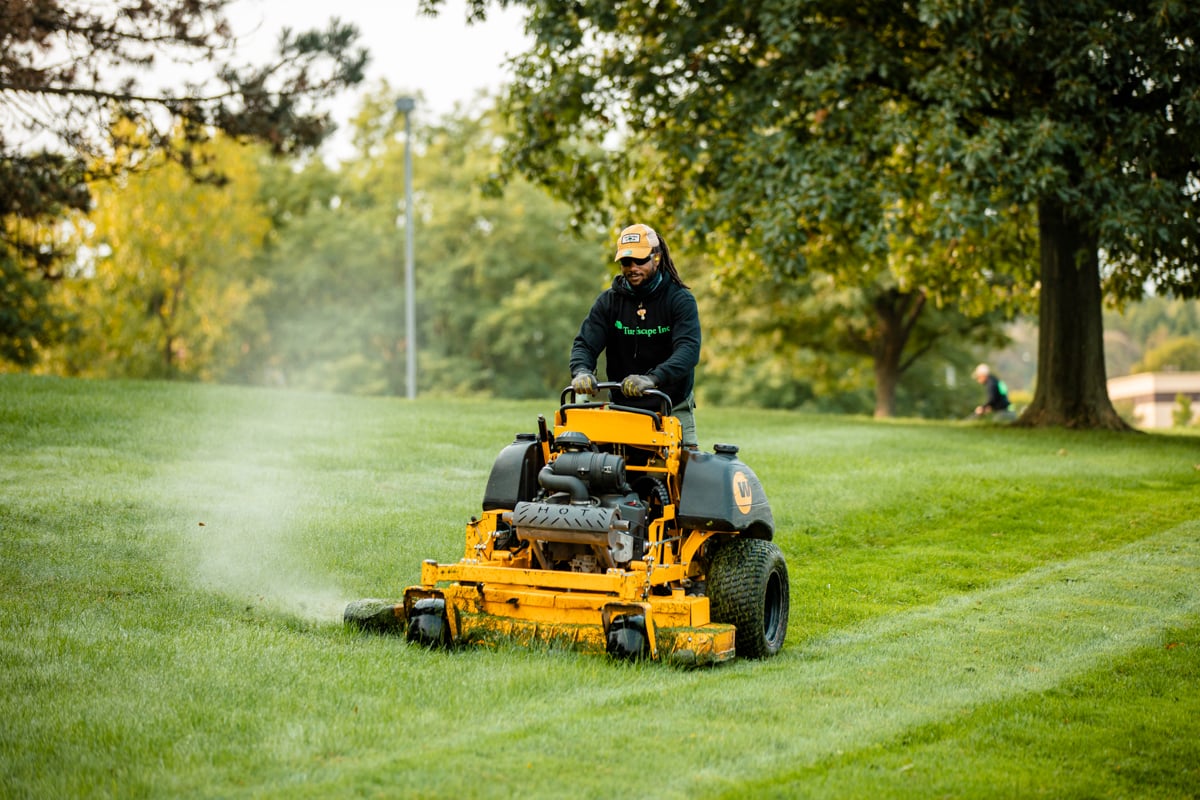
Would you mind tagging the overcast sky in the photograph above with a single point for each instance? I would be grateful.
(442, 58)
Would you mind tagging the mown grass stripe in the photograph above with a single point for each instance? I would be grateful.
(858, 689)
(871, 684)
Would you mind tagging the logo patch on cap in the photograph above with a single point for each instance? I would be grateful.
(630, 237)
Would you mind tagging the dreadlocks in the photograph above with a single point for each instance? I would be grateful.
(667, 264)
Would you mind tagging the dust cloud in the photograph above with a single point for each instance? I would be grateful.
(247, 512)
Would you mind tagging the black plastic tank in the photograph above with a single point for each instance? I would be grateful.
(513, 478)
(721, 493)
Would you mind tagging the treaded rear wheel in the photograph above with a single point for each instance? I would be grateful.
(748, 588)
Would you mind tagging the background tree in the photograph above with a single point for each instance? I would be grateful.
(812, 345)
(502, 280)
(334, 312)
(1180, 354)
(773, 117)
(1181, 414)
(898, 303)
(1153, 320)
(28, 316)
(167, 277)
(69, 70)
(1130, 330)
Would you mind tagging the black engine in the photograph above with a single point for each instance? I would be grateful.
(586, 517)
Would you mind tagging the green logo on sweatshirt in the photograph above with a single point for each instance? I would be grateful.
(653, 330)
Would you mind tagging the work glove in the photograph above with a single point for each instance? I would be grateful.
(584, 383)
(636, 385)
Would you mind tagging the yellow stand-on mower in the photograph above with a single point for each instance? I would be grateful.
(606, 534)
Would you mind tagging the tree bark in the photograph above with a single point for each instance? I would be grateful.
(1072, 388)
(896, 313)
(885, 390)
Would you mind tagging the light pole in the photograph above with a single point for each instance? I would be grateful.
(405, 105)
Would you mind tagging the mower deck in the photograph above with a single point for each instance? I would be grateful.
(579, 611)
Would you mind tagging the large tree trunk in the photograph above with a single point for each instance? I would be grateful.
(886, 379)
(896, 315)
(1072, 388)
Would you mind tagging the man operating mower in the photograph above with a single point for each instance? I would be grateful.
(648, 325)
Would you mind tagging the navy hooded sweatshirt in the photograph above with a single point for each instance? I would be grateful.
(654, 331)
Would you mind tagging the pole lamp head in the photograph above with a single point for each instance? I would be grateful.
(405, 104)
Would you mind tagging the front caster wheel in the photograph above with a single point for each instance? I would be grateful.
(627, 639)
(427, 623)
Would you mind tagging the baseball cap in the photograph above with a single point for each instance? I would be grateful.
(636, 241)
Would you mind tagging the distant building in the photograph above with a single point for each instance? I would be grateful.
(1155, 395)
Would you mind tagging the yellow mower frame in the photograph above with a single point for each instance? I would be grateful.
(659, 604)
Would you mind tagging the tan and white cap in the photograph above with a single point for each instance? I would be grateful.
(636, 241)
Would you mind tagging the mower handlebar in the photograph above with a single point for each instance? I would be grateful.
(664, 400)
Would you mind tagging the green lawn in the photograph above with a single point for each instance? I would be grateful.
(976, 611)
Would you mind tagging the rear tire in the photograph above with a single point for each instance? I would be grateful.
(748, 588)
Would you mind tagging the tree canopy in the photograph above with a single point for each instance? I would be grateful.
(165, 271)
(290, 274)
(71, 71)
(501, 281)
(777, 122)
(67, 70)
(1181, 354)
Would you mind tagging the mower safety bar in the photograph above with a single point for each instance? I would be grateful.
(665, 401)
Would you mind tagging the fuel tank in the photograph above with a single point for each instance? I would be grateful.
(720, 493)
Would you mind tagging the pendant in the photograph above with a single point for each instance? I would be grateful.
(641, 312)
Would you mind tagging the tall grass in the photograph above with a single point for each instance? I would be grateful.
(976, 611)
